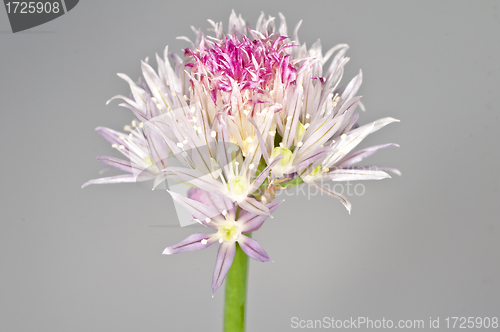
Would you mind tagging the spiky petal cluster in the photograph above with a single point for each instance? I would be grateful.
(245, 114)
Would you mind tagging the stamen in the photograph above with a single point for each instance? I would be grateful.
(299, 144)
(208, 220)
(343, 136)
(180, 145)
(204, 241)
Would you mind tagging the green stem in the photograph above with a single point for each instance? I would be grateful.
(236, 292)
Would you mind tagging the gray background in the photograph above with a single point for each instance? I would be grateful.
(422, 245)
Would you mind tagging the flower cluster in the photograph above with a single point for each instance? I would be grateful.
(246, 113)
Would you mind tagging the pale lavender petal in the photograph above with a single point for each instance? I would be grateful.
(355, 157)
(113, 179)
(191, 243)
(319, 136)
(353, 87)
(225, 257)
(261, 141)
(140, 96)
(379, 168)
(293, 108)
(158, 147)
(199, 210)
(133, 105)
(250, 222)
(253, 249)
(263, 175)
(332, 193)
(140, 115)
(110, 135)
(120, 164)
(254, 206)
(305, 164)
(356, 174)
(214, 200)
(157, 87)
(196, 178)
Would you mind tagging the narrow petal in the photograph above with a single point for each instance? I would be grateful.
(214, 200)
(110, 135)
(263, 175)
(191, 243)
(225, 257)
(126, 178)
(196, 178)
(251, 222)
(253, 249)
(120, 164)
(332, 193)
(357, 156)
(254, 206)
(200, 211)
(356, 174)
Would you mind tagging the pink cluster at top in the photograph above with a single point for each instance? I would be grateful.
(251, 65)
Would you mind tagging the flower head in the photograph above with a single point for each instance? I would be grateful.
(246, 113)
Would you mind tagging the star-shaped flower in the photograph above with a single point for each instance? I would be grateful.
(230, 224)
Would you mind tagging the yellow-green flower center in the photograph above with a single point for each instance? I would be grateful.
(148, 160)
(238, 185)
(287, 155)
(228, 231)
